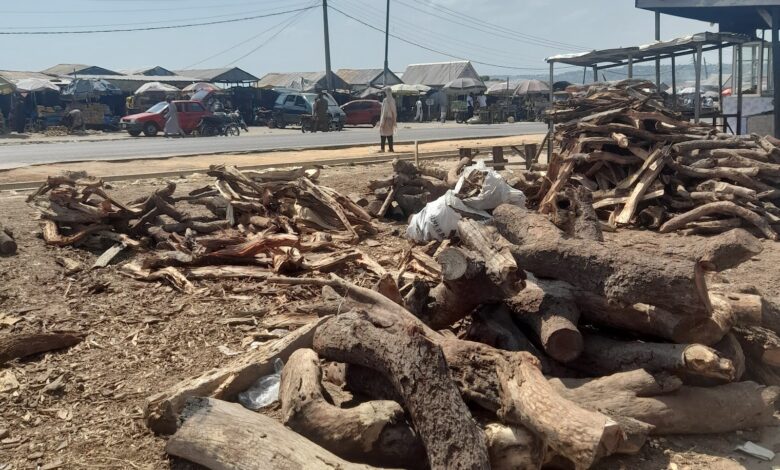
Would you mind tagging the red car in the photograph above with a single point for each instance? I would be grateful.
(362, 112)
(153, 120)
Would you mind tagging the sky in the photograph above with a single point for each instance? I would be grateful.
(501, 37)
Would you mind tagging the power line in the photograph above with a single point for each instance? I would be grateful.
(152, 28)
(135, 10)
(428, 48)
(292, 21)
(224, 51)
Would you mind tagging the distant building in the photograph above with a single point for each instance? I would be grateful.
(360, 79)
(302, 81)
(78, 69)
(230, 75)
(155, 71)
(436, 75)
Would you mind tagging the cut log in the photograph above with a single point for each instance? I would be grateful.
(673, 409)
(15, 346)
(531, 402)
(722, 207)
(684, 147)
(586, 223)
(548, 308)
(373, 432)
(513, 448)
(387, 286)
(604, 356)
(454, 174)
(225, 436)
(619, 274)
(721, 187)
(759, 343)
(730, 348)
(7, 243)
(494, 249)
(419, 374)
(493, 325)
(657, 162)
(727, 250)
(162, 409)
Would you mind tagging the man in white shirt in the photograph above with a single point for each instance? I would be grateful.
(419, 116)
(482, 101)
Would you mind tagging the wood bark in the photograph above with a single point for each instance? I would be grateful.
(513, 448)
(759, 343)
(619, 274)
(604, 356)
(727, 250)
(586, 223)
(225, 436)
(162, 409)
(548, 308)
(15, 346)
(721, 207)
(373, 432)
(671, 408)
(7, 242)
(419, 374)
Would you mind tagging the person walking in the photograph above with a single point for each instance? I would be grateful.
(388, 119)
(172, 126)
(320, 113)
(470, 106)
(419, 115)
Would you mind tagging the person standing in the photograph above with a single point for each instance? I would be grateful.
(320, 113)
(470, 106)
(388, 119)
(172, 126)
(419, 115)
(74, 120)
(482, 101)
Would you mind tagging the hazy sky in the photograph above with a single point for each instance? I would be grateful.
(511, 33)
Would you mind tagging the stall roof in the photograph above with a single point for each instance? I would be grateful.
(746, 14)
(78, 69)
(14, 76)
(225, 75)
(130, 83)
(367, 77)
(311, 80)
(155, 71)
(438, 74)
(647, 52)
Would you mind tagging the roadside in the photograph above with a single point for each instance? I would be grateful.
(133, 169)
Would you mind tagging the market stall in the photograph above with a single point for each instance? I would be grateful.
(100, 102)
(45, 101)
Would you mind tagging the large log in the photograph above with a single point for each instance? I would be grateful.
(374, 432)
(225, 436)
(15, 346)
(671, 408)
(419, 374)
(513, 448)
(761, 344)
(721, 207)
(163, 408)
(548, 308)
(604, 356)
(727, 250)
(619, 274)
(7, 243)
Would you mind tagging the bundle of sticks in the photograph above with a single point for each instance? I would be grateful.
(533, 345)
(646, 166)
(250, 224)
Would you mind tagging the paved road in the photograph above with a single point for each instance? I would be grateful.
(14, 156)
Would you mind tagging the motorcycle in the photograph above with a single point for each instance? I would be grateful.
(236, 118)
(218, 124)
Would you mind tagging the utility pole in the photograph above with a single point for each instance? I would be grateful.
(387, 44)
(328, 73)
(657, 58)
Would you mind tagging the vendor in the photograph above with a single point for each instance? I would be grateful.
(73, 120)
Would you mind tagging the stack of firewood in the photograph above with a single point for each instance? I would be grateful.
(254, 224)
(533, 345)
(647, 167)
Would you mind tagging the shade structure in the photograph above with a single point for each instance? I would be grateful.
(531, 87)
(465, 85)
(156, 87)
(502, 88)
(200, 86)
(6, 87)
(403, 89)
(33, 85)
(90, 88)
(370, 91)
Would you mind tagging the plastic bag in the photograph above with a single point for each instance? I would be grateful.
(264, 391)
(495, 190)
(439, 219)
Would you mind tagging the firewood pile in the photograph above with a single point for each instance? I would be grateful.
(409, 189)
(647, 167)
(254, 224)
(513, 345)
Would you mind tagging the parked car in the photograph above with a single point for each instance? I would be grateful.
(362, 112)
(153, 120)
(291, 106)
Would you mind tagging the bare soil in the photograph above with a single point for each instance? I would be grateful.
(144, 337)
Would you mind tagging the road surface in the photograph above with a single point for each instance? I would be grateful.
(15, 156)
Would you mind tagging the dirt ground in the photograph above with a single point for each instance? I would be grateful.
(82, 408)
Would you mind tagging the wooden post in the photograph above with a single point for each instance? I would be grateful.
(416, 153)
(530, 154)
(697, 90)
(738, 84)
(498, 158)
(674, 83)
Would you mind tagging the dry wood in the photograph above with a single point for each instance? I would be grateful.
(225, 436)
(372, 432)
(586, 223)
(513, 448)
(673, 409)
(7, 242)
(723, 207)
(727, 250)
(759, 343)
(18, 345)
(655, 164)
(453, 175)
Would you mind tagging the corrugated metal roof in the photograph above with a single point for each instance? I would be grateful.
(438, 74)
(70, 69)
(311, 79)
(155, 71)
(130, 83)
(224, 75)
(14, 76)
(367, 77)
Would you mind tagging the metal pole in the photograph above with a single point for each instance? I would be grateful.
(387, 43)
(658, 58)
(328, 73)
(697, 90)
(720, 84)
(595, 74)
(760, 85)
(738, 84)
(552, 123)
(674, 82)
(630, 67)
(775, 63)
